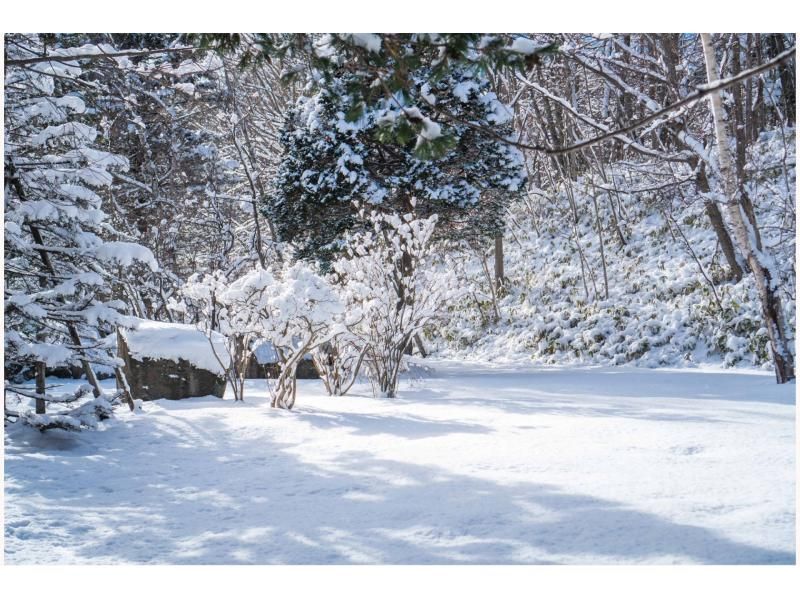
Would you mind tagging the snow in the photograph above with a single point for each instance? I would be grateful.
(80, 131)
(99, 158)
(521, 45)
(97, 177)
(78, 192)
(187, 88)
(264, 353)
(369, 41)
(164, 340)
(472, 463)
(191, 66)
(430, 129)
(659, 311)
(50, 354)
(425, 93)
(84, 50)
(463, 89)
(126, 254)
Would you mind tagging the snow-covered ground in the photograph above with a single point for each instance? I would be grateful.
(471, 464)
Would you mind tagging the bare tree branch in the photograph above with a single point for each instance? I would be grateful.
(702, 92)
(40, 59)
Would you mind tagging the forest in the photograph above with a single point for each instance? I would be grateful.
(481, 248)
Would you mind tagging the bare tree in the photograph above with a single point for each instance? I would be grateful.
(746, 232)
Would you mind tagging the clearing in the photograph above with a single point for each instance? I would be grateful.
(473, 463)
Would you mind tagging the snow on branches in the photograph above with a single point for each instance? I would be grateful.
(61, 256)
(392, 289)
(466, 171)
(295, 310)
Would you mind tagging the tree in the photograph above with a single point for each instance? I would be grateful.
(61, 254)
(181, 195)
(230, 331)
(335, 161)
(746, 233)
(392, 290)
(295, 310)
(338, 361)
(381, 65)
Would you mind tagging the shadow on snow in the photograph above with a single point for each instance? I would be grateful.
(267, 506)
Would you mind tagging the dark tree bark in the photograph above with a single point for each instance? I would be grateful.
(40, 386)
(499, 265)
(776, 45)
(718, 224)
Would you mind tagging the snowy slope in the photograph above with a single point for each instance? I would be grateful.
(661, 310)
(472, 464)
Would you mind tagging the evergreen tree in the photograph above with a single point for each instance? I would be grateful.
(379, 62)
(394, 156)
(61, 255)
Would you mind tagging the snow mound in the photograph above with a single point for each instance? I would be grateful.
(164, 340)
(265, 353)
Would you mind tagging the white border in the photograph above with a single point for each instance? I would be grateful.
(408, 582)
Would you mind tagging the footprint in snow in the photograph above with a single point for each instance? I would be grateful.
(686, 450)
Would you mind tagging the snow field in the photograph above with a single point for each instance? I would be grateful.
(471, 464)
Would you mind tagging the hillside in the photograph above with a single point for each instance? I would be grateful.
(667, 305)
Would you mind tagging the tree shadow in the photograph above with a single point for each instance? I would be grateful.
(520, 401)
(406, 426)
(265, 505)
(622, 382)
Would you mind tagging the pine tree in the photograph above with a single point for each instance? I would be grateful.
(395, 157)
(61, 255)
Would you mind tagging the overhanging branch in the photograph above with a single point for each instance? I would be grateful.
(95, 56)
(702, 91)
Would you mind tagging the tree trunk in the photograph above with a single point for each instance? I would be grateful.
(48, 267)
(776, 45)
(420, 346)
(602, 243)
(87, 367)
(671, 53)
(744, 232)
(40, 386)
(718, 224)
(124, 387)
(499, 266)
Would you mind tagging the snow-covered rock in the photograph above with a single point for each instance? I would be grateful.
(173, 361)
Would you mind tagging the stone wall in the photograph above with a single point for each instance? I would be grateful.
(152, 379)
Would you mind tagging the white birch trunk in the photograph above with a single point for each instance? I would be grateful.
(744, 233)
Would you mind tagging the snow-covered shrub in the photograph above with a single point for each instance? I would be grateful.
(391, 289)
(338, 362)
(73, 411)
(294, 309)
(85, 417)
